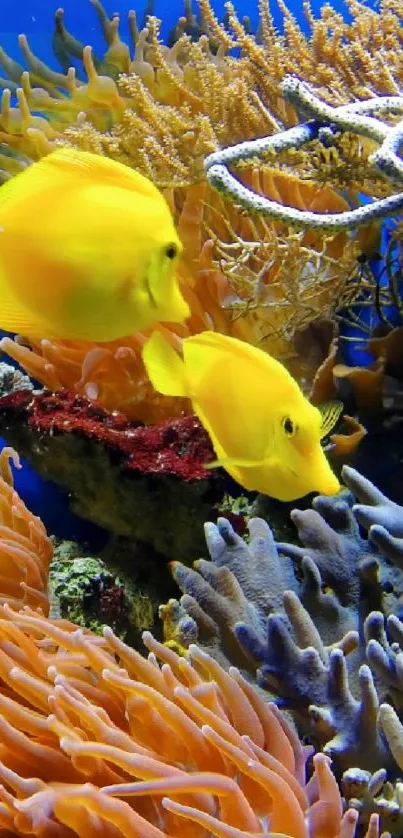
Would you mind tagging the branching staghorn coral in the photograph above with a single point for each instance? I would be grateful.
(95, 737)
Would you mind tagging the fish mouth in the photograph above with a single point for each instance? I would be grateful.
(322, 489)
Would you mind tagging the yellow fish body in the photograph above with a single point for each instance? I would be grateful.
(88, 250)
(265, 433)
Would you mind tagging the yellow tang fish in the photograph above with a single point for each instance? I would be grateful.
(88, 250)
(265, 433)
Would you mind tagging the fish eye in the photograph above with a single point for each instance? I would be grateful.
(288, 426)
(171, 251)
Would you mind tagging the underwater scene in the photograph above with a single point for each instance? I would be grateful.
(201, 419)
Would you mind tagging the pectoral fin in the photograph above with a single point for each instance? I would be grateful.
(331, 412)
(234, 461)
(164, 366)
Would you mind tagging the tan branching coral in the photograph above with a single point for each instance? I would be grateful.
(95, 739)
(163, 110)
(25, 549)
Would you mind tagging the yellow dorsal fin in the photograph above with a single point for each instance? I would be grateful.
(331, 412)
(78, 163)
(67, 166)
(164, 366)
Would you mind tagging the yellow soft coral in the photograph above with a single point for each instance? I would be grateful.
(162, 110)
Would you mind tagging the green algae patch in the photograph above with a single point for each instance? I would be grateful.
(84, 591)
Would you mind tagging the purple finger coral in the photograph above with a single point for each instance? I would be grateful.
(313, 623)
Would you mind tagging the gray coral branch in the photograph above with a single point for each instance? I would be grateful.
(325, 122)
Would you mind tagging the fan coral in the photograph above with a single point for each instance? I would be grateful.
(25, 549)
(130, 747)
(162, 111)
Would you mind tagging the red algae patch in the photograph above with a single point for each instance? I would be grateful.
(177, 447)
(147, 483)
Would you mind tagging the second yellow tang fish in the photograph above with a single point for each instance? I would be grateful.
(265, 433)
(88, 250)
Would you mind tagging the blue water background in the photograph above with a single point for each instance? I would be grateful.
(35, 19)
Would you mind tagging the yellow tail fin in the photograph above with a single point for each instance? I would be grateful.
(165, 368)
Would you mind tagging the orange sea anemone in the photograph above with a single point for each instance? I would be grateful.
(95, 739)
(25, 549)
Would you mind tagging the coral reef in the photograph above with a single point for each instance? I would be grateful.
(221, 290)
(372, 393)
(196, 97)
(162, 110)
(376, 388)
(111, 589)
(94, 735)
(374, 794)
(97, 739)
(122, 476)
(316, 625)
(12, 380)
